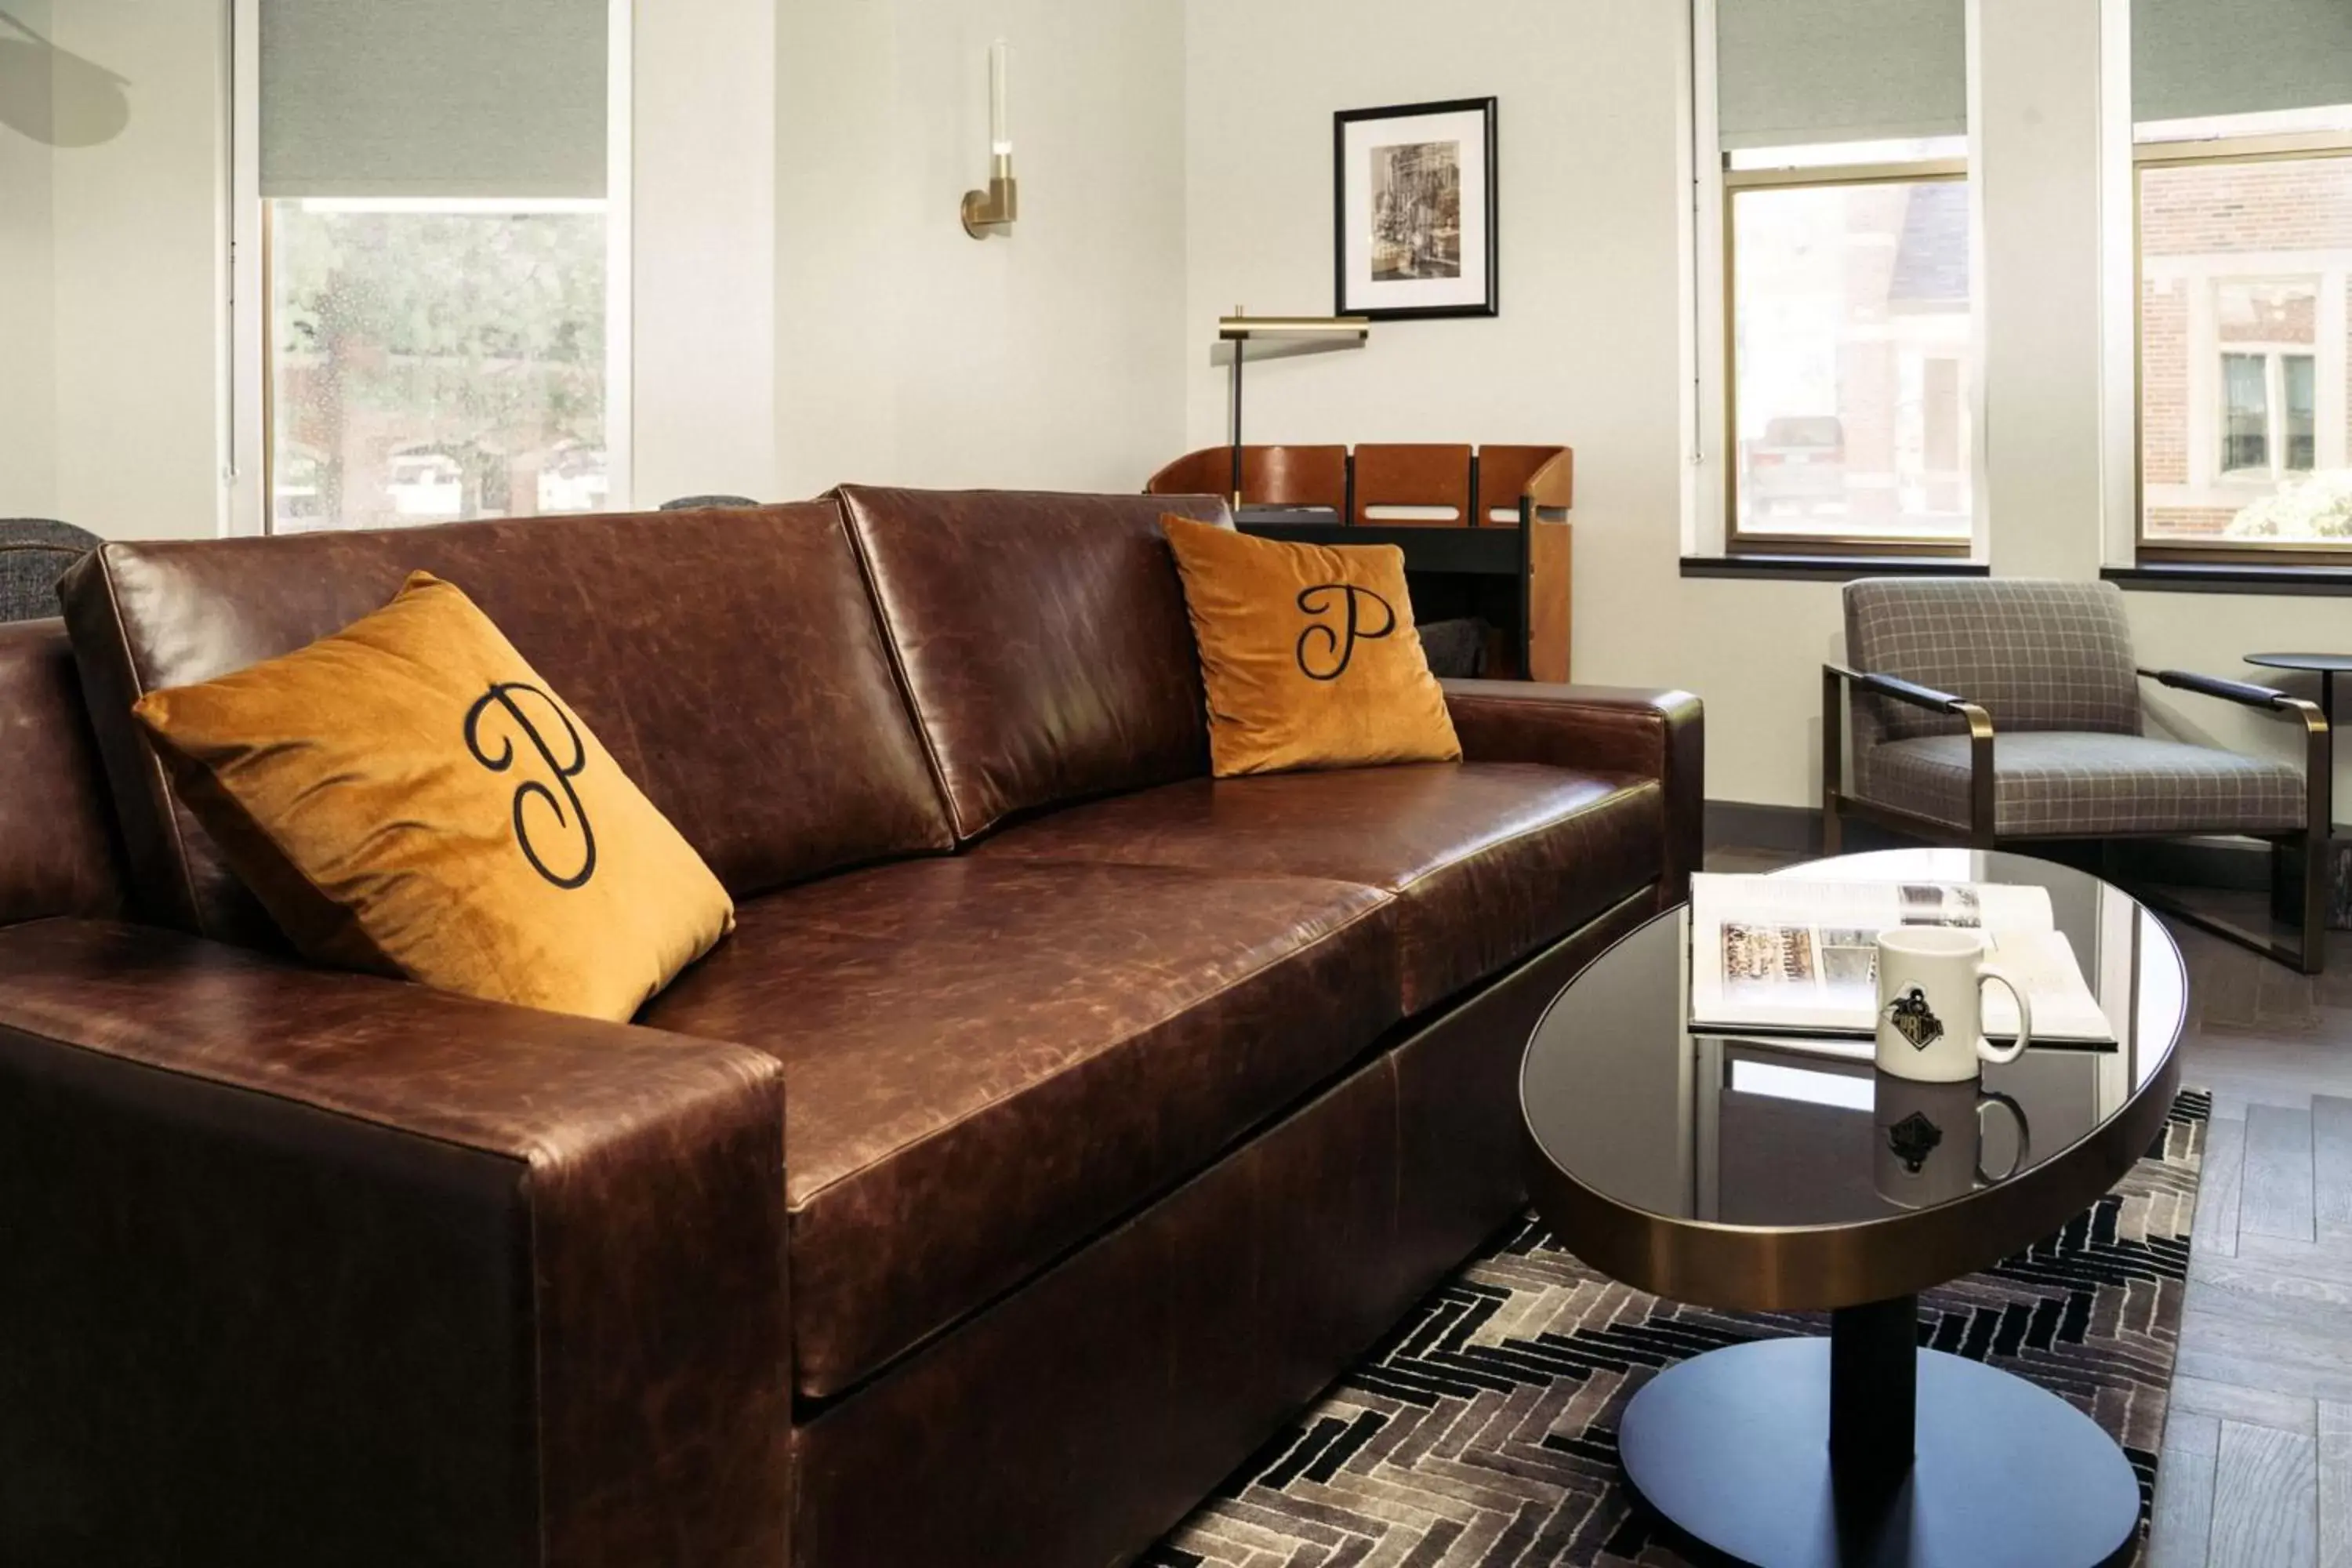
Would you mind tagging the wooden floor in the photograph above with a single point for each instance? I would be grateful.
(2257, 1469)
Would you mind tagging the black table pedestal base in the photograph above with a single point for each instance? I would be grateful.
(1735, 1449)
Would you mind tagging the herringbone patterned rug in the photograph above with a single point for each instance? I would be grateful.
(1484, 1431)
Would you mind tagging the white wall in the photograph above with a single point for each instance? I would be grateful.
(2037, 151)
(703, 233)
(29, 394)
(910, 353)
(1586, 350)
(807, 308)
(113, 421)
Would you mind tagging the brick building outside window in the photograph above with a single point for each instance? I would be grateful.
(2245, 381)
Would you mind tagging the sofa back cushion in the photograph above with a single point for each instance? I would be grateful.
(729, 659)
(1042, 637)
(56, 832)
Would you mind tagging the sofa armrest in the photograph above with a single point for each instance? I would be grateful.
(314, 1267)
(1657, 735)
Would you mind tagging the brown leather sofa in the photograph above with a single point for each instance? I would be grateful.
(1056, 1121)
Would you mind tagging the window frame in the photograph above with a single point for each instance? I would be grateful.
(2214, 152)
(247, 424)
(1735, 182)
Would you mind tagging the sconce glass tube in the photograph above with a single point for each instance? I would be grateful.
(994, 210)
(999, 105)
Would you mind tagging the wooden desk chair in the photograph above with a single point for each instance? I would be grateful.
(1271, 476)
(1415, 476)
(1536, 485)
(1543, 477)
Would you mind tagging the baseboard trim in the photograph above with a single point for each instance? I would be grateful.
(2242, 866)
(1746, 825)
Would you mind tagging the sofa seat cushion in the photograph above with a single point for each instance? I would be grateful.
(987, 1063)
(1489, 862)
(2056, 782)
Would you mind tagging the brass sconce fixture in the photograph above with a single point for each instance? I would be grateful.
(993, 210)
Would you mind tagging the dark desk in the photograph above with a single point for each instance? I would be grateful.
(1481, 551)
(1486, 572)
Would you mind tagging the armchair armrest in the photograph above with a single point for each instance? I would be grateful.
(2300, 875)
(313, 1267)
(2244, 692)
(1902, 691)
(1657, 735)
(1982, 799)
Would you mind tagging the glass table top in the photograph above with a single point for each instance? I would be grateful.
(1731, 1130)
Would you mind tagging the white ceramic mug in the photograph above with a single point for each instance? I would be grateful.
(1931, 1138)
(1931, 1004)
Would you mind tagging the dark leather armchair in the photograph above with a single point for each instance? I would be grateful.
(1986, 712)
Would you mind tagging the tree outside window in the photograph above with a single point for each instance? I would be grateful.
(433, 364)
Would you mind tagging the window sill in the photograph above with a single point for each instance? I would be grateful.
(2211, 577)
(1781, 568)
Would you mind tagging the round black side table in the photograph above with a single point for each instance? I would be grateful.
(2327, 667)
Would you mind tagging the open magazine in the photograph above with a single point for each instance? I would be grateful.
(1796, 955)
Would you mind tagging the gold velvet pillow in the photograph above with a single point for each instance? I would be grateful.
(407, 796)
(1308, 653)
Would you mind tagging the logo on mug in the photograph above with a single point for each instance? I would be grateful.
(1914, 1019)
(1912, 1140)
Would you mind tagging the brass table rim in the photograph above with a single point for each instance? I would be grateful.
(1824, 1266)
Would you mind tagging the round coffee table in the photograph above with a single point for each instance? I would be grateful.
(1778, 1174)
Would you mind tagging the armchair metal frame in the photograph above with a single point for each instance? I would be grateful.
(2299, 870)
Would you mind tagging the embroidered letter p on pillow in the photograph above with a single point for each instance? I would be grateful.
(1309, 654)
(408, 796)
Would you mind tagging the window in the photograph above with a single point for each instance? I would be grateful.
(2268, 425)
(435, 360)
(2243, 163)
(1847, 328)
(1851, 359)
(2245, 288)
(437, 329)
(2246, 416)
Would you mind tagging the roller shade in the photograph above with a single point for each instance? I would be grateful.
(2191, 58)
(433, 98)
(1791, 72)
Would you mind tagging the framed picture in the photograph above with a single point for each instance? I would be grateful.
(1413, 210)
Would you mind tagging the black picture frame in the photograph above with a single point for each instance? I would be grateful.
(1489, 193)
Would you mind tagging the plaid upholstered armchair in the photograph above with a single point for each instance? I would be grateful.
(34, 554)
(1988, 711)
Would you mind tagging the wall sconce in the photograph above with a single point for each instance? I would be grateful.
(990, 211)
